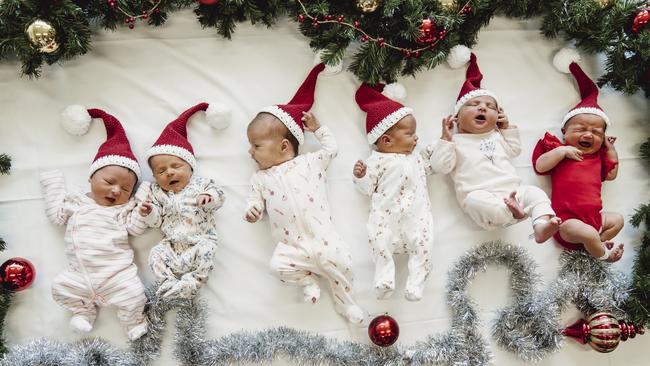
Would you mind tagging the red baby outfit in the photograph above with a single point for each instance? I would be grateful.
(576, 185)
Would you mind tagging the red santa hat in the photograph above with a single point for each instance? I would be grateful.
(173, 140)
(566, 60)
(457, 57)
(291, 113)
(115, 150)
(382, 112)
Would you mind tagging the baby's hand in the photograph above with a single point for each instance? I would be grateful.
(310, 122)
(145, 208)
(502, 120)
(572, 153)
(609, 142)
(359, 169)
(447, 127)
(203, 199)
(253, 214)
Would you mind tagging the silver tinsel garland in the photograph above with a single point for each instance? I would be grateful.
(528, 327)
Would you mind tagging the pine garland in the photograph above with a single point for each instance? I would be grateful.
(638, 305)
(5, 163)
(595, 25)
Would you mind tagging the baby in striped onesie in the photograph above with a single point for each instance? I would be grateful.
(98, 223)
(182, 204)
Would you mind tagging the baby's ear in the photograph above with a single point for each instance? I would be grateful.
(284, 145)
(385, 139)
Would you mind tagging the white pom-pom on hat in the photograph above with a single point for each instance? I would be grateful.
(395, 91)
(76, 120)
(458, 56)
(329, 69)
(218, 115)
(564, 58)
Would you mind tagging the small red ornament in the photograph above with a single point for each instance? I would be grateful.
(315, 24)
(364, 38)
(131, 26)
(383, 330)
(417, 54)
(301, 18)
(602, 331)
(356, 24)
(640, 20)
(340, 19)
(17, 274)
(380, 42)
(328, 17)
(466, 10)
(407, 53)
(427, 31)
(208, 2)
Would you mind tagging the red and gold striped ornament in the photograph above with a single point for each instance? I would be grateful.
(602, 331)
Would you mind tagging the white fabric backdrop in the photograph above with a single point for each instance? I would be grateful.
(147, 76)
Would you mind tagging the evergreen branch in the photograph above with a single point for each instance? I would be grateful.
(5, 164)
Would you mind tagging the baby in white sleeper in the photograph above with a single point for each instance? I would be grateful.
(292, 188)
(101, 271)
(400, 220)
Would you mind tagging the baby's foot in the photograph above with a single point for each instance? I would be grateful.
(138, 331)
(615, 253)
(414, 294)
(544, 229)
(383, 291)
(354, 314)
(183, 289)
(80, 324)
(311, 293)
(512, 204)
(165, 286)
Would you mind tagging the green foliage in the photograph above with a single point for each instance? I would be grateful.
(594, 28)
(5, 163)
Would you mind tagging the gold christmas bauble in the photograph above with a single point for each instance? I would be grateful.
(43, 36)
(447, 4)
(368, 6)
(604, 3)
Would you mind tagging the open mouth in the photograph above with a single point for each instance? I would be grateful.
(585, 144)
(480, 118)
(110, 199)
(171, 183)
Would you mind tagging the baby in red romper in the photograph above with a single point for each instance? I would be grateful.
(577, 168)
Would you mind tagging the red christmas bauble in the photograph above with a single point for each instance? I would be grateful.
(17, 274)
(427, 26)
(208, 2)
(383, 330)
(640, 20)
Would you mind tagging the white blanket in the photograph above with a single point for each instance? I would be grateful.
(147, 76)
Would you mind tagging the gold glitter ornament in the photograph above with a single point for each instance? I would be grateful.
(43, 36)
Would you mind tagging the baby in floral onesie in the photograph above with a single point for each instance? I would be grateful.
(396, 179)
(101, 271)
(292, 189)
(577, 168)
(183, 205)
(479, 160)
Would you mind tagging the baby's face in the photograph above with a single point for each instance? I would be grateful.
(266, 148)
(585, 132)
(478, 115)
(112, 185)
(171, 172)
(403, 136)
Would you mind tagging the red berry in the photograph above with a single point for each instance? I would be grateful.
(301, 18)
(131, 26)
(417, 54)
(356, 24)
(328, 17)
(340, 19)
(364, 38)
(407, 53)
(156, 10)
(380, 42)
